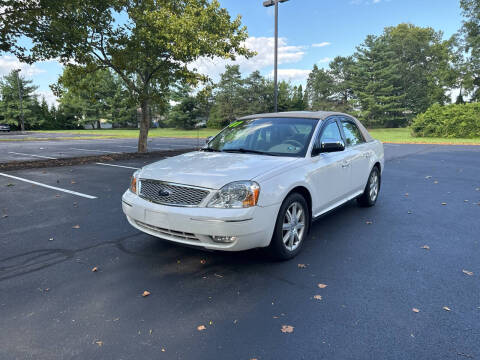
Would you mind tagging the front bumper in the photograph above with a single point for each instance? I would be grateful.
(251, 227)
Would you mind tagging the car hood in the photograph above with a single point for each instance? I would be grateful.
(212, 170)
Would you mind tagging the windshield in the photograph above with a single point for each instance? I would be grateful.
(266, 136)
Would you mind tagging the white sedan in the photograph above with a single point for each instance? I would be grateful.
(259, 183)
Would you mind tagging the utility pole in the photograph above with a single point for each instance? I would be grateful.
(275, 3)
(20, 97)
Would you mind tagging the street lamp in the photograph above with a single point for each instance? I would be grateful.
(20, 97)
(269, 3)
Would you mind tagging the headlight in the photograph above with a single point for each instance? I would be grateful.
(238, 194)
(133, 182)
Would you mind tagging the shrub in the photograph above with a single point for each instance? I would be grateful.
(455, 121)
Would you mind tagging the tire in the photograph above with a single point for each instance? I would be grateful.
(279, 248)
(372, 189)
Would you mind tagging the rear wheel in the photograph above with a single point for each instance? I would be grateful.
(370, 194)
(291, 228)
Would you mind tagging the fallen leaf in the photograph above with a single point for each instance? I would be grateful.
(426, 247)
(477, 189)
(428, 177)
(444, 203)
(201, 327)
(73, 182)
(95, 269)
(218, 275)
(469, 273)
(163, 350)
(145, 293)
(435, 182)
(150, 332)
(4, 216)
(203, 261)
(409, 212)
(322, 286)
(57, 196)
(287, 329)
(10, 184)
(318, 297)
(446, 308)
(415, 310)
(368, 222)
(76, 227)
(51, 239)
(302, 266)
(406, 194)
(99, 343)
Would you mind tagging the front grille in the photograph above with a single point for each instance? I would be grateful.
(169, 234)
(169, 194)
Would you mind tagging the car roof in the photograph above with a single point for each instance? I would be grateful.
(317, 115)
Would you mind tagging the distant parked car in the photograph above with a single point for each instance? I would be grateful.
(258, 183)
(4, 127)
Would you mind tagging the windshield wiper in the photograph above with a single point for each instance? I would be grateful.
(248, 151)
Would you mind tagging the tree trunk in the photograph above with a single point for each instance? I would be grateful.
(144, 126)
(99, 125)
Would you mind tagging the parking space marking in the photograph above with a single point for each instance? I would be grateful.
(103, 151)
(49, 187)
(120, 166)
(39, 156)
(127, 146)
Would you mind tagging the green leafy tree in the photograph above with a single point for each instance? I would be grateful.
(148, 43)
(470, 32)
(341, 70)
(12, 86)
(320, 88)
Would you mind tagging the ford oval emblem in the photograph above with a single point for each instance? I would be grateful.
(164, 192)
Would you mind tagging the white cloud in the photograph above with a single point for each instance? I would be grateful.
(263, 46)
(49, 97)
(9, 63)
(293, 75)
(324, 60)
(322, 44)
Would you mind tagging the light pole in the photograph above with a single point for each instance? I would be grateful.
(20, 97)
(269, 3)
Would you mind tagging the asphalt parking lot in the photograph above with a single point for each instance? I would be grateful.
(418, 248)
(58, 149)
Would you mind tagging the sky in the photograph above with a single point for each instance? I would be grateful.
(311, 32)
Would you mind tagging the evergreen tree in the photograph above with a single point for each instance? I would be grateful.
(12, 86)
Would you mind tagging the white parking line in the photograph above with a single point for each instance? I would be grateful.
(39, 156)
(49, 187)
(120, 166)
(103, 151)
(126, 146)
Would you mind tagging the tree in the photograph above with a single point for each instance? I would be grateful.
(320, 85)
(148, 43)
(93, 96)
(341, 70)
(12, 86)
(470, 33)
(229, 103)
(376, 81)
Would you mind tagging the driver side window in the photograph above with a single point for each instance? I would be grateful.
(331, 132)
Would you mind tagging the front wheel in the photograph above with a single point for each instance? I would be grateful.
(370, 194)
(291, 228)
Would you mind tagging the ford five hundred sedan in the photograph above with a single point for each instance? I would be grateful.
(259, 183)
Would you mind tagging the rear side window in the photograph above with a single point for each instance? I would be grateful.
(353, 136)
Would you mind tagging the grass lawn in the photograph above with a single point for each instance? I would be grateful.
(400, 136)
(403, 136)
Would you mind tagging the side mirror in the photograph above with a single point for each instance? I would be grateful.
(209, 139)
(328, 146)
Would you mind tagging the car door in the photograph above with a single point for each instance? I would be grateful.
(330, 173)
(358, 155)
